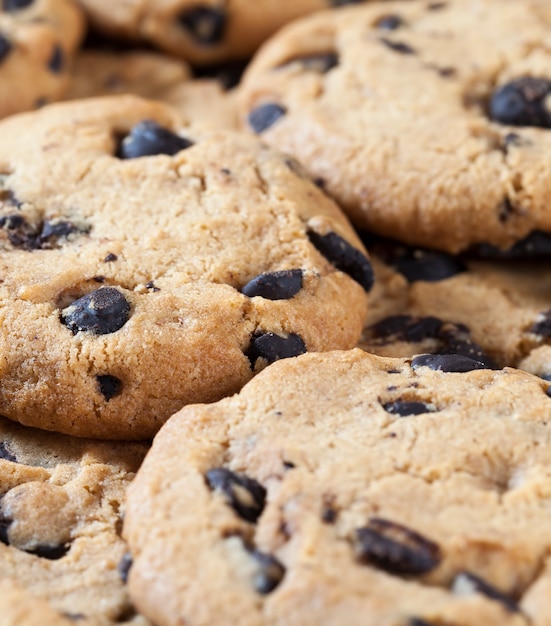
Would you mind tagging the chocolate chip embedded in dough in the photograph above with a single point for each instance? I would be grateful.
(344, 257)
(269, 574)
(281, 285)
(245, 495)
(5, 47)
(447, 363)
(466, 583)
(522, 102)
(148, 138)
(56, 64)
(109, 386)
(395, 548)
(272, 347)
(100, 312)
(404, 408)
(265, 116)
(206, 25)
(15, 5)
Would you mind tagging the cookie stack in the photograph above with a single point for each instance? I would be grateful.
(219, 407)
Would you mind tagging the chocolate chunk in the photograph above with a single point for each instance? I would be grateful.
(245, 495)
(149, 139)
(403, 408)
(466, 583)
(15, 5)
(417, 621)
(205, 24)
(395, 549)
(5, 523)
(447, 363)
(151, 286)
(228, 74)
(109, 386)
(56, 63)
(417, 264)
(110, 258)
(342, 3)
(6, 454)
(436, 6)
(536, 244)
(505, 209)
(52, 553)
(265, 116)
(344, 257)
(398, 46)
(5, 47)
(522, 102)
(456, 339)
(39, 236)
(124, 566)
(321, 62)
(329, 515)
(269, 574)
(100, 312)
(281, 285)
(389, 22)
(272, 347)
(406, 328)
(542, 326)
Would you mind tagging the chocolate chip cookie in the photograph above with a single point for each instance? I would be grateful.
(155, 76)
(427, 301)
(346, 488)
(37, 41)
(204, 31)
(106, 73)
(61, 507)
(427, 121)
(145, 266)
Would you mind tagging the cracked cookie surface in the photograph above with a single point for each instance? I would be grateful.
(37, 41)
(126, 246)
(427, 121)
(349, 488)
(61, 507)
(426, 301)
(204, 31)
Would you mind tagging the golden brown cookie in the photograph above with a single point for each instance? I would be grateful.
(145, 265)
(429, 122)
(61, 508)
(204, 31)
(346, 488)
(37, 41)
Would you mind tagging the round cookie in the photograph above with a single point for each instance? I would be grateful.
(346, 488)
(149, 75)
(427, 121)
(425, 301)
(37, 41)
(204, 31)
(61, 507)
(142, 269)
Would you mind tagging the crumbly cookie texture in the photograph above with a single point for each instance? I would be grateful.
(144, 266)
(207, 31)
(429, 122)
(158, 77)
(61, 508)
(37, 41)
(426, 301)
(346, 488)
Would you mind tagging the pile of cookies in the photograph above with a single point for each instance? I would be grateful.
(275, 311)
